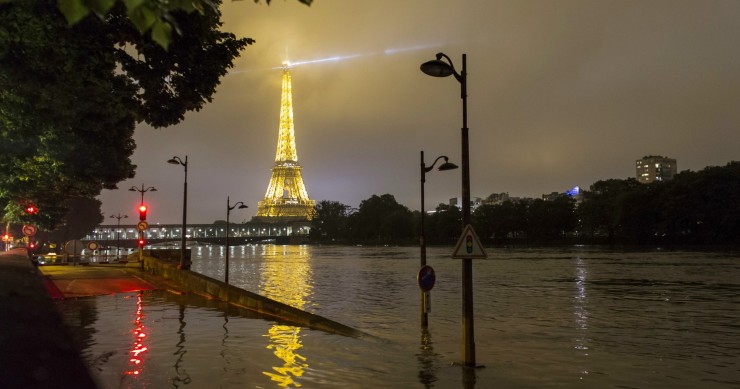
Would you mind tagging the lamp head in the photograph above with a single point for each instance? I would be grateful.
(133, 189)
(243, 206)
(173, 161)
(152, 189)
(447, 166)
(437, 68)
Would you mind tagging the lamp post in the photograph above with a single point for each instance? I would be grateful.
(439, 68)
(118, 231)
(229, 207)
(142, 190)
(177, 161)
(422, 238)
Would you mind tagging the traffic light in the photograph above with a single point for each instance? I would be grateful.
(31, 245)
(142, 212)
(31, 209)
(142, 242)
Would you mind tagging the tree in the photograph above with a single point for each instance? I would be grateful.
(70, 97)
(381, 219)
(602, 205)
(149, 16)
(446, 224)
(82, 217)
(330, 221)
(550, 219)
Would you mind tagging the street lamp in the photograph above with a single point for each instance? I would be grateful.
(177, 161)
(439, 68)
(422, 238)
(229, 207)
(118, 231)
(142, 190)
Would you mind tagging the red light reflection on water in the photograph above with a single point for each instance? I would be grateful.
(139, 337)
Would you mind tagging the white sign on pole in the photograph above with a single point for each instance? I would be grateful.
(469, 245)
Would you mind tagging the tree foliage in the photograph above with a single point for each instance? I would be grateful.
(693, 208)
(381, 220)
(70, 97)
(330, 221)
(83, 216)
(155, 17)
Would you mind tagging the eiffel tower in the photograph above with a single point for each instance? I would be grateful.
(286, 198)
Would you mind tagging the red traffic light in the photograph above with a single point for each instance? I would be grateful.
(142, 212)
(31, 209)
(32, 245)
(142, 242)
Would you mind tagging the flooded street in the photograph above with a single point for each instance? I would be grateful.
(566, 317)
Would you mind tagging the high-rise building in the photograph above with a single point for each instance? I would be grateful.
(286, 197)
(655, 168)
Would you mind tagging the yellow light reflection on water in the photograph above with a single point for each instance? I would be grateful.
(287, 277)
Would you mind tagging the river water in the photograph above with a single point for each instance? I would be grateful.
(566, 317)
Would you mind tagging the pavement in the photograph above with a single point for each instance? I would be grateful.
(36, 349)
(70, 281)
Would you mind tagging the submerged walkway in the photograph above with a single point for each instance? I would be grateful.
(94, 280)
(36, 349)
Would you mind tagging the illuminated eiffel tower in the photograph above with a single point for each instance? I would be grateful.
(286, 197)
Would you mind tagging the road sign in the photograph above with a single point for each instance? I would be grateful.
(469, 245)
(92, 246)
(29, 230)
(143, 225)
(426, 278)
(73, 247)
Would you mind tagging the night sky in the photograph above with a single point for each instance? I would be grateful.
(560, 93)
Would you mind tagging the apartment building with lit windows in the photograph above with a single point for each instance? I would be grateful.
(655, 168)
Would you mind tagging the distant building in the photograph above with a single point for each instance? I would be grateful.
(574, 193)
(475, 202)
(655, 168)
(552, 196)
(496, 198)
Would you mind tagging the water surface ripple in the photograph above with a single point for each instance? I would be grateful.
(565, 317)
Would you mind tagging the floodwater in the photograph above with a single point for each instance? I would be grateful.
(575, 317)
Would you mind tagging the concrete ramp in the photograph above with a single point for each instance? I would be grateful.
(200, 284)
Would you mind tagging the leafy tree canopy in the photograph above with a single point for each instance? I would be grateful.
(149, 16)
(70, 97)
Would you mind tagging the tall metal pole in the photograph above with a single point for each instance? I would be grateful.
(423, 244)
(142, 190)
(183, 263)
(229, 208)
(118, 232)
(177, 161)
(439, 68)
(468, 327)
(425, 294)
(228, 211)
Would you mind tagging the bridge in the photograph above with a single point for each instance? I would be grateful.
(170, 235)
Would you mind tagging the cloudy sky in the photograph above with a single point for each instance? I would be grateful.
(561, 93)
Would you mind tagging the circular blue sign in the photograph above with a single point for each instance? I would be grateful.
(426, 278)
